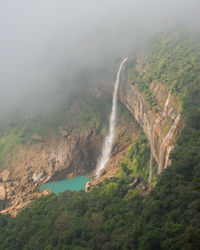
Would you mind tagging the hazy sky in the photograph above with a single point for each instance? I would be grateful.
(46, 42)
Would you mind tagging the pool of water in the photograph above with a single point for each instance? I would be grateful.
(76, 183)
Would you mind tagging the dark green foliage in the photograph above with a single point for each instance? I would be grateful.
(93, 112)
(10, 141)
(142, 79)
(109, 218)
(136, 161)
(113, 215)
(123, 111)
(173, 59)
(198, 187)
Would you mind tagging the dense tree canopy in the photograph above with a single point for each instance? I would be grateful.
(113, 215)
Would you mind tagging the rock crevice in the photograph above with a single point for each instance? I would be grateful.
(161, 127)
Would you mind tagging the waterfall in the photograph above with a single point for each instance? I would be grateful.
(153, 139)
(167, 138)
(169, 149)
(150, 168)
(108, 141)
(166, 105)
(153, 143)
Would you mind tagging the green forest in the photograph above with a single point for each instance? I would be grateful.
(113, 215)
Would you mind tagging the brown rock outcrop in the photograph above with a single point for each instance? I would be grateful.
(126, 134)
(161, 128)
(57, 157)
(46, 192)
(88, 186)
(63, 132)
(2, 196)
(2, 191)
(4, 175)
(37, 138)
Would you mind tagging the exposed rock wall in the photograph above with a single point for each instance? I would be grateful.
(51, 158)
(126, 133)
(162, 127)
(70, 153)
(73, 152)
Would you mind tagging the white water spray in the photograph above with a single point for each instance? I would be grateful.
(166, 105)
(108, 141)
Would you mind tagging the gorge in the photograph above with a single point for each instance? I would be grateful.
(147, 194)
(159, 127)
(74, 153)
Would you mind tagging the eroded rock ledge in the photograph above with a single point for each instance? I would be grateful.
(56, 157)
(163, 127)
(71, 153)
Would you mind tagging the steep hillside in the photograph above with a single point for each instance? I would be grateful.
(155, 86)
(161, 88)
(59, 143)
(161, 126)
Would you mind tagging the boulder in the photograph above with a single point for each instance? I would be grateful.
(88, 186)
(145, 186)
(63, 132)
(46, 192)
(4, 175)
(2, 192)
(37, 138)
(103, 172)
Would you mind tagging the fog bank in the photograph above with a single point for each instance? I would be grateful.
(44, 44)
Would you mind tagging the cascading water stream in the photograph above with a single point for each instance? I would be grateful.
(153, 135)
(166, 104)
(168, 137)
(108, 141)
(151, 157)
(150, 168)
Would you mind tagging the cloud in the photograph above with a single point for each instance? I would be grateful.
(44, 43)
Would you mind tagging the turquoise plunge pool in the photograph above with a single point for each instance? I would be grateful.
(76, 183)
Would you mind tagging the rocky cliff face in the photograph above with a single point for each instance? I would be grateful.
(126, 133)
(68, 154)
(161, 127)
(73, 152)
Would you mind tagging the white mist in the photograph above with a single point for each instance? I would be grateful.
(108, 141)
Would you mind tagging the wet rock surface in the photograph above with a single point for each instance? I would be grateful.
(162, 127)
(52, 158)
(88, 186)
(4, 175)
(58, 157)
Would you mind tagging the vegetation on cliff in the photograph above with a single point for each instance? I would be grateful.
(171, 58)
(114, 215)
(79, 111)
(137, 160)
